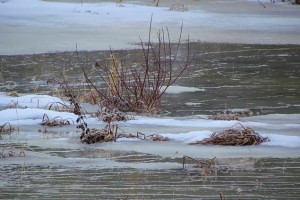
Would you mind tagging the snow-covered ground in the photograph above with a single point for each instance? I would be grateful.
(35, 26)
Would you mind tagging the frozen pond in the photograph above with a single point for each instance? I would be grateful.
(262, 78)
(259, 74)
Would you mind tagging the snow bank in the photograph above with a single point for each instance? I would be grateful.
(181, 122)
(30, 101)
(31, 116)
(30, 109)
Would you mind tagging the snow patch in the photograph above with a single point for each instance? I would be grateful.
(180, 89)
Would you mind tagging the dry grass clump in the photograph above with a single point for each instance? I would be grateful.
(90, 97)
(97, 136)
(110, 134)
(158, 138)
(207, 166)
(4, 129)
(179, 6)
(115, 102)
(225, 116)
(230, 115)
(13, 94)
(56, 121)
(107, 115)
(60, 107)
(9, 151)
(234, 137)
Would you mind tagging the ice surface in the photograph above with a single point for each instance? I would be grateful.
(31, 101)
(35, 26)
(282, 130)
(179, 89)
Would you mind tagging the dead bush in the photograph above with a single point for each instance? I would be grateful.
(140, 88)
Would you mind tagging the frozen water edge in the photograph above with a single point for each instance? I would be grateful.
(283, 131)
(35, 26)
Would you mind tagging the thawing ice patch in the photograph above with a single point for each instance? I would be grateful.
(31, 116)
(189, 137)
(29, 101)
(182, 122)
(180, 89)
(282, 140)
(31, 109)
(192, 103)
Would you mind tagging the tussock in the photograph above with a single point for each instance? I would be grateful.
(234, 137)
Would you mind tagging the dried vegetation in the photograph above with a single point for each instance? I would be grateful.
(110, 134)
(207, 167)
(56, 121)
(230, 115)
(140, 88)
(9, 151)
(6, 128)
(234, 137)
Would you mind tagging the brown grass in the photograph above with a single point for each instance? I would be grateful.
(207, 166)
(6, 128)
(56, 121)
(234, 137)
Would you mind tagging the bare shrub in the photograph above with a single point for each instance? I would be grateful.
(140, 88)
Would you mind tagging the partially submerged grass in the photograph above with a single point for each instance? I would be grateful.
(107, 115)
(110, 134)
(56, 121)
(234, 137)
(230, 115)
(207, 167)
(9, 151)
(6, 128)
